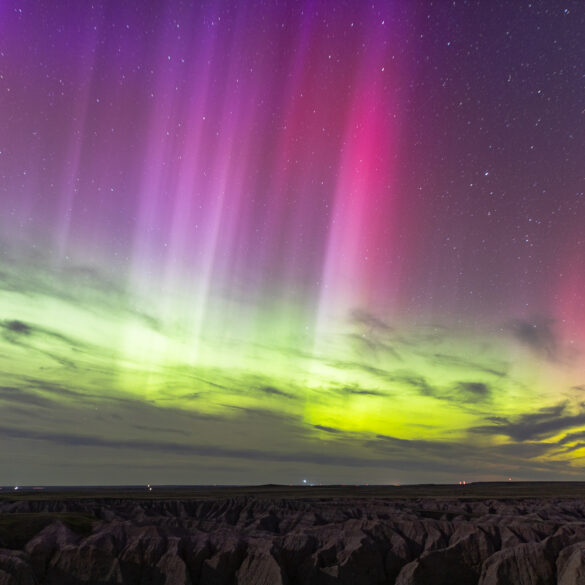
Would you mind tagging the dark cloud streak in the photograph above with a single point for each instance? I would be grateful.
(543, 423)
(537, 334)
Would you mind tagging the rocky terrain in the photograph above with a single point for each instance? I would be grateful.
(248, 540)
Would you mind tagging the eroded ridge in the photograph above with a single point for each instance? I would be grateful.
(264, 541)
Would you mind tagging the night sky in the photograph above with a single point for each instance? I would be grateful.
(264, 241)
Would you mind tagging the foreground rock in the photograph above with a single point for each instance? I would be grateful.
(249, 541)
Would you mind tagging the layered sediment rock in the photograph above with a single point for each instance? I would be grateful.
(249, 541)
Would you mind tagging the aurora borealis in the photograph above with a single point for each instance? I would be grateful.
(244, 242)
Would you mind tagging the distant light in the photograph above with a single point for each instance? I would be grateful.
(509, 479)
(15, 487)
(304, 481)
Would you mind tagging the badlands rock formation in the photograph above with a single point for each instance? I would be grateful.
(251, 541)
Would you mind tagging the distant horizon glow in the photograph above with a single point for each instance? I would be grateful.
(249, 243)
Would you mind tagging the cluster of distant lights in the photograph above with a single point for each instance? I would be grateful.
(463, 482)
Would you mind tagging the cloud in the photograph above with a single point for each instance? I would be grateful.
(371, 344)
(537, 334)
(269, 441)
(498, 420)
(272, 391)
(543, 423)
(20, 396)
(360, 392)
(575, 447)
(327, 429)
(420, 384)
(523, 450)
(57, 390)
(154, 429)
(473, 391)
(445, 359)
(16, 327)
(431, 455)
(373, 334)
(570, 437)
(33, 338)
(397, 442)
(174, 448)
(461, 392)
(30, 272)
(369, 321)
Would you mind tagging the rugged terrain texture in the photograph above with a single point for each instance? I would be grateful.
(263, 541)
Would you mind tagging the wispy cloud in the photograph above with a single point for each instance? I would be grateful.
(537, 334)
(360, 392)
(472, 391)
(19, 396)
(498, 369)
(545, 422)
(272, 391)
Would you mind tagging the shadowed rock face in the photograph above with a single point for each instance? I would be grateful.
(249, 541)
